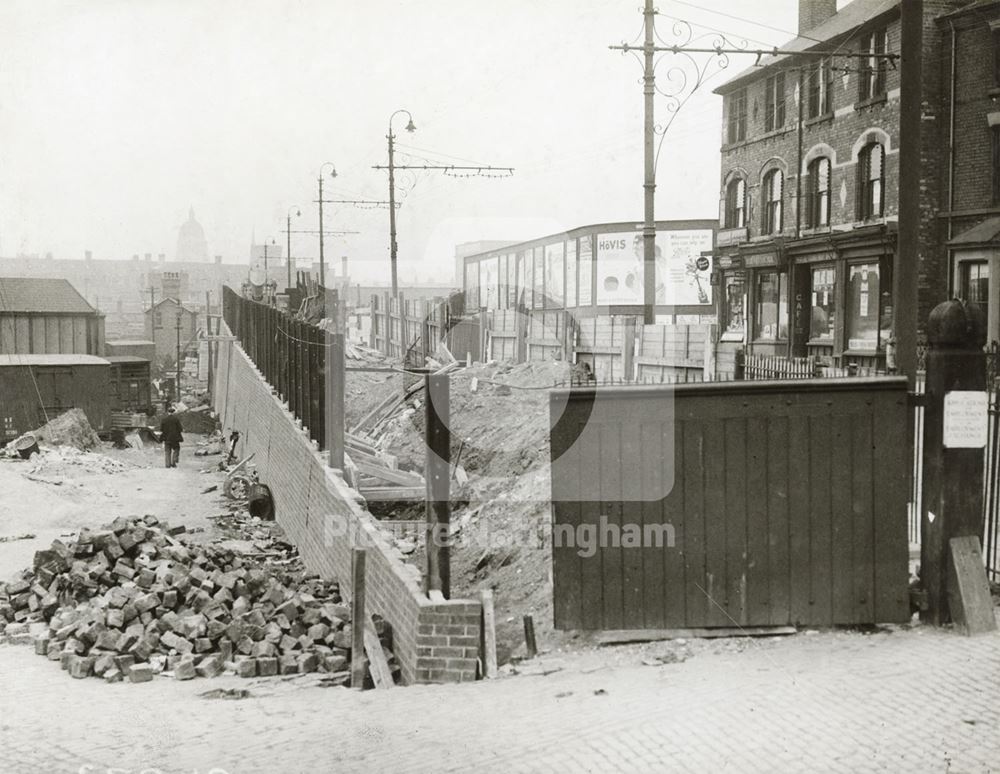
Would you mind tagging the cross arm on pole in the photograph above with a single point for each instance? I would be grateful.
(758, 52)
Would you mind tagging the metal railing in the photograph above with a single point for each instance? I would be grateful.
(290, 354)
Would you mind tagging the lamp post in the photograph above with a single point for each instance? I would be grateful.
(392, 197)
(333, 173)
(288, 236)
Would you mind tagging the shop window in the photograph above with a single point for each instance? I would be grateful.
(736, 117)
(863, 307)
(975, 283)
(818, 193)
(771, 194)
(871, 79)
(771, 308)
(819, 89)
(824, 304)
(774, 102)
(736, 201)
(871, 181)
(734, 306)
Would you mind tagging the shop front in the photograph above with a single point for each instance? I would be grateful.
(976, 264)
(753, 298)
(841, 308)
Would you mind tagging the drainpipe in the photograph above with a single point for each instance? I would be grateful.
(798, 172)
(951, 147)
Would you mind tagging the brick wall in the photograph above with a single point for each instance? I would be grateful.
(842, 132)
(324, 518)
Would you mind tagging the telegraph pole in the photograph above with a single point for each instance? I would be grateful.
(177, 389)
(322, 262)
(649, 184)
(288, 238)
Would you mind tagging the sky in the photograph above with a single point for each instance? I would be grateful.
(117, 116)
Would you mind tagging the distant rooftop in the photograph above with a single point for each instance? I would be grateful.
(51, 360)
(35, 294)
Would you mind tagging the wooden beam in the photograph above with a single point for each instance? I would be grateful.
(489, 635)
(384, 494)
(625, 636)
(399, 477)
(969, 599)
(358, 617)
(377, 663)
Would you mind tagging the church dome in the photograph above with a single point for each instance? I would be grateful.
(191, 243)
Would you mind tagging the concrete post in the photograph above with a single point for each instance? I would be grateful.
(955, 421)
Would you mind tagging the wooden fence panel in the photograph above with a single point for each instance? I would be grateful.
(772, 510)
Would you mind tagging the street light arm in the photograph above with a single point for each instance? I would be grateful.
(328, 164)
(409, 126)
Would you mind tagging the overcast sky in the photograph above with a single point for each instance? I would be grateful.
(116, 116)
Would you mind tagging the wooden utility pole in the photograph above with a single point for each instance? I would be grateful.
(177, 387)
(438, 474)
(208, 331)
(955, 423)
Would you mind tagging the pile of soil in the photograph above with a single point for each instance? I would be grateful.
(69, 429)
(502, 515)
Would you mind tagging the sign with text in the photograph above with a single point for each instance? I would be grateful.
(965, 413)
(683, 274)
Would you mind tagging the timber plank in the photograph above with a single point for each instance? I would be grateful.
(779, 560)
(820, 543)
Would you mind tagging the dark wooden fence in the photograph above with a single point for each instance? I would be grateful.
(289, 353)
(788, 504)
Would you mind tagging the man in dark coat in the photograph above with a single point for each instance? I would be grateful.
(170, 436)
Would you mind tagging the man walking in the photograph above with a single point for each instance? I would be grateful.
(170, 436)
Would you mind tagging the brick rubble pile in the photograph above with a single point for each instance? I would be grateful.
(135, 600)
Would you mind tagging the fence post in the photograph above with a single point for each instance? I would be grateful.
(708, 373)
(628, 350)
(741, 364)
(955, 422)
(437, 475)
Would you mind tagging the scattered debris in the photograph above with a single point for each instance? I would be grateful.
(12, 538)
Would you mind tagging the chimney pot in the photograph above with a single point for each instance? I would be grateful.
(813, 13)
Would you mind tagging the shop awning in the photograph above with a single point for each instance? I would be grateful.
(986, 233)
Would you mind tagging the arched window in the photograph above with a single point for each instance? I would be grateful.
(736, 201)
(771, 198)
(818, 193)
(871, 181)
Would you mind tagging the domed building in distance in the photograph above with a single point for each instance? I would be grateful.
(191, 242)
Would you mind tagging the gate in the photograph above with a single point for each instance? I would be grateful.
(788, 505)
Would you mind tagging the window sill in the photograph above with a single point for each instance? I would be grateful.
(819, 343)
(769, 342)
(993, 91)
(734, 336)
(878, 99)
(862, 353)
(823, 117)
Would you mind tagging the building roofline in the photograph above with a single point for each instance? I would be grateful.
(628, 226)
(799, 44)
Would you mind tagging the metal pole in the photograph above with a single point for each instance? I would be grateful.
(649, 186)
(288, 255)
(322, 271)
(208, 331)
(392, 213)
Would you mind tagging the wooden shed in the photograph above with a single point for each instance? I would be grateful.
(130, 383)
(47, 316)
(37, 388)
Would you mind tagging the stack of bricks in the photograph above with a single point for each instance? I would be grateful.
(135, 600)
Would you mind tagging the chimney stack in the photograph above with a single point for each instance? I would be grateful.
(813, 13)
(162, 257)
(135, 257)
(87, 255)
(148, 257)
(218, 259)
(343, 266)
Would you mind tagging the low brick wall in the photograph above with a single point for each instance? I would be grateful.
(325, 519)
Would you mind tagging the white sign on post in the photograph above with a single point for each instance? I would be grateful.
(965, 419)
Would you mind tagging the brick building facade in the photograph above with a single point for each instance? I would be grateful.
(810, 205)
(969, 209)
